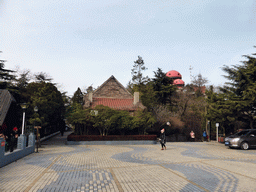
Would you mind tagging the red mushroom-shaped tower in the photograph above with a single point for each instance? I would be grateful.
(179, 83)
(173, 74)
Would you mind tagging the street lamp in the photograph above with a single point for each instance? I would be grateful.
(217, 130)
(208, 130)
(37, 142)
(24, 107)
(36, 109)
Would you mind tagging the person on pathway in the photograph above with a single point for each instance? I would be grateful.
(205, 136)
(162, 139)
(192, 135)
(12, 139)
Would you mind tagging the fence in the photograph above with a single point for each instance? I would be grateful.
(21, 151)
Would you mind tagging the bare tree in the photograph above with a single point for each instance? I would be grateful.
(182, 102)
(198, 84)
(162, 113)
(199, 80)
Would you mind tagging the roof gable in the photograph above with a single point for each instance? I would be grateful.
(112, 88)
(5, 102)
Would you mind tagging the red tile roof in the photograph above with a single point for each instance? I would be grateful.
(118, 104)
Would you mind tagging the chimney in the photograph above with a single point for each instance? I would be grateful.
(90, 96)
(136, 98)
(89, 90)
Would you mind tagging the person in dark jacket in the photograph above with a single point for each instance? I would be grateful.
(162, 139)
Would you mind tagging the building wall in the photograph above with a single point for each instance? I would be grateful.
(21, 151)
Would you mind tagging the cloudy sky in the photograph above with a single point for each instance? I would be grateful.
(83, 42)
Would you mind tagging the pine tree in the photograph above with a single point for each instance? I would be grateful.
(163, 88)
(42, 77)
(137, 76)
(5, 76)
(237, 100)
(78, 97)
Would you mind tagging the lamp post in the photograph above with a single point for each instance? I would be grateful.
(36, 109)
(37, 142)
(23, 106)
(208, 130)
(217, 130)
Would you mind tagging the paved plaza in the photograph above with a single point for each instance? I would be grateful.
(202, 166)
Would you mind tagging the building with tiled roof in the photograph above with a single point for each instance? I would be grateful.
(114, 95)
(202, 89)
(6, 110)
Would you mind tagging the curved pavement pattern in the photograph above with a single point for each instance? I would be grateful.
(182, 167)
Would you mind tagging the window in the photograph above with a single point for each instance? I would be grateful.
(241, 133)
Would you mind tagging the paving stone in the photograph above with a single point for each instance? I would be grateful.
(184, 166)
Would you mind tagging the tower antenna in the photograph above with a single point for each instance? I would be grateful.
(190, 69)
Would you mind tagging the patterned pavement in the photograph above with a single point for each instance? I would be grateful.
(186, 166)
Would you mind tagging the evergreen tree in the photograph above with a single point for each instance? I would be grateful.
(220, 110)
(163, 87)
(102, 120)
(120, 122)
(237, 100)
(78, 97)
(48, 99)
(22, 80)
(143, 120)
(5, 76)
(42, 77)
(137, 76)
(147, 95)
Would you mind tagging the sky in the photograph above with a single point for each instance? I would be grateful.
(80, 43)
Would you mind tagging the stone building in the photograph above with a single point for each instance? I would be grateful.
(114, 95)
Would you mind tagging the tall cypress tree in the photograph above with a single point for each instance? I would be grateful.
(78, 97)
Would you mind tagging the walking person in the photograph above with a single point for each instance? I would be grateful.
(15, 137)
(162, 139)
(205, 136)
(192, 136)
(11, 141)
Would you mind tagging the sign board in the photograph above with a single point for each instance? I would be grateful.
(37, 127)
(2, 143)
(94, 112)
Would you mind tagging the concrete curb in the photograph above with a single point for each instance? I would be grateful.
(49, 136)
(130, 142)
